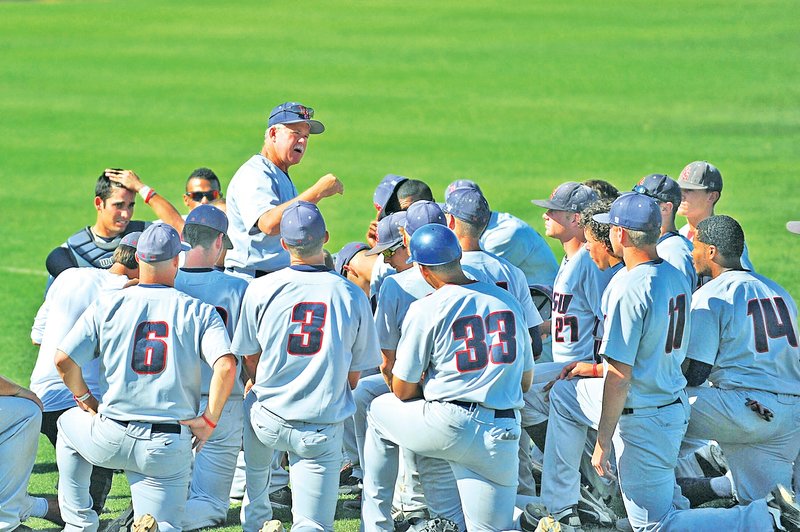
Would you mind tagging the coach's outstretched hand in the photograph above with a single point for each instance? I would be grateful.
(327, 186)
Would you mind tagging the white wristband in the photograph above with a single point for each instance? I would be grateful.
(146, 193)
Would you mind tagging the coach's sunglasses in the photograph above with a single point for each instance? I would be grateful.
(211, 195)
(389, 252)
(301, 110)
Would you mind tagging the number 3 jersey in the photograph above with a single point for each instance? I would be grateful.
(647, 326)
(745, 326)
(150, 340)
(470, 341)
(312, 327)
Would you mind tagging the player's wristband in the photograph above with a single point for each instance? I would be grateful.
(147, 193)
(83, 397)
(209, 422)
(594, 370)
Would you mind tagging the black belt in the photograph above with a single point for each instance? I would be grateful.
(498, 414)
(164, 428)
(258, 273)
(626, 411)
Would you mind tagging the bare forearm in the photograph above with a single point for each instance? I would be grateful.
(221, 385)
(71, 374)
(615, 393)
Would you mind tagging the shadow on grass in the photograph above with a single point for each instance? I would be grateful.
(45, 467)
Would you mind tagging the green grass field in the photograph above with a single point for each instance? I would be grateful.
(517, 96)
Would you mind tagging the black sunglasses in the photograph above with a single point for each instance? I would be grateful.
(300, 110)
(641, 189)
(211, 195)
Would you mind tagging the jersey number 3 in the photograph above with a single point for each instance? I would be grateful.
(149, 347)
(472, 330)
(311, 317)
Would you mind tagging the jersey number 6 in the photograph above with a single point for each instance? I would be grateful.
(471, 329)
(149, 347)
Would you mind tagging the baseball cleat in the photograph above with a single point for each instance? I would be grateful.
(281, 499)
(440, 524)
(123, 522)
(350, 485)
(535, 518)
(273, 526)
(413, 521)
(145, 523)
(593, 509)
(784, 509)
(624, 525)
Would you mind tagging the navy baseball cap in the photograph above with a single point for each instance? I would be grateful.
(292, 113)
(302, 223)
(131, 239)
(389, 234)
(632, 211)
(469, 205)
(460, 183)
(660, 187)
(701, 175)
(346, 254)
(159, 242)
(421, 213)
(210, 216)
(570, 196)
(385, 189)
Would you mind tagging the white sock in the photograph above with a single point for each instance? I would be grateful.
(722, 486)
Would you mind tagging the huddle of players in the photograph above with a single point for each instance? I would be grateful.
(447, 391)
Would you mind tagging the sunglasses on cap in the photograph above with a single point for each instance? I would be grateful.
(211, 195)
(641, 189)
(300, 110)
(389, 252)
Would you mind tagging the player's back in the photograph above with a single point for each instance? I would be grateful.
(755, 321)
(677, 250)
(148, 338)
(475, 350)
(514, 240)
(313, 327)
(397, 293)
(646, 326)
(69, 296)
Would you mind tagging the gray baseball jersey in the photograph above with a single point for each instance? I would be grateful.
(677, 250)
(147, 339)
(647, 325)
(577, 292)
(62, 307)
(475, 350)
(311, 326)
(257, 187)
(745, 326)
(224, 293)
(396, 295)
(489, 268)
(520, 244)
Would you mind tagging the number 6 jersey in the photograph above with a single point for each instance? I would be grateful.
(745, 326)
(150, 340)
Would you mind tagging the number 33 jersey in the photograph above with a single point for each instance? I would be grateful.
(150, 340)
(312, 327)
(471, 342)
(745, 326)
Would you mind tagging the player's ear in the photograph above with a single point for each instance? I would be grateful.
(451, 221)
(98, 202)
(405, 236)
(327, 237)
(283, 245)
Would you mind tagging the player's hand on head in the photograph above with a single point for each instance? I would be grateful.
(126, 178)
(372, 233)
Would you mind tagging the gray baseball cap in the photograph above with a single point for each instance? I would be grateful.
(210, 216)
(570, 196)
(302, 223)
(793, 227)
(469, 205)
(660, 187)
(700, 175)
(158, 243)
(389, 234)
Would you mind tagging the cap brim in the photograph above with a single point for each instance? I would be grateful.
(380, 248)
(185, 246)
(226, 242)
(793, 227)
(547, 204)
(315, 125)
(691, 186)
(602, 218)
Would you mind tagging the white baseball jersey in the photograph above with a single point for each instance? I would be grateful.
(312, 327)
(647, 326)
(677, 250)
(69, 296)
(467, 341)
(520, 244)
(257, 187)
(483, 266)
(577, 293)
(745, 326)
(397, 294)
(150, 340)
(224, 293)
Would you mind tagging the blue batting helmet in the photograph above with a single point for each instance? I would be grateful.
(434, 245)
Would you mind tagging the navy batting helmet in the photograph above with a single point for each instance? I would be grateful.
(434, 245)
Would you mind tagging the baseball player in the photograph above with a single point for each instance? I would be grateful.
(744, 339)
(306, 334)
(603, 189)
(701, 188)
(148, 338)
(62, 307)
(261, 189)
(644, 408)
(206, 231)
(202, 188)
(20, 416)
(672, 246)
(465, 410)
(384, 198)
